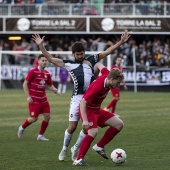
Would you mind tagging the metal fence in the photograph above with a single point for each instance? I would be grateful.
(86, 9)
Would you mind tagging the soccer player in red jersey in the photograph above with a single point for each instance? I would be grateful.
(116, 92)
(93, 116)
(34, 87)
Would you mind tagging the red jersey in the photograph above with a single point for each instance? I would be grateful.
(37, 84)
(119, 67)
(97, 92)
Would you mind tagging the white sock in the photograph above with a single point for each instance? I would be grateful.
(79, 140)
(59, 88)
(67, 139)
(64, 89)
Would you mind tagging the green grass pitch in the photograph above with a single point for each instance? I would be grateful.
(145, 136)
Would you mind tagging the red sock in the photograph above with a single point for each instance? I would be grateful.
(44, 125)
(112, 104)
(85, 145)
(108, 136)
(114, 107)
(25, 124)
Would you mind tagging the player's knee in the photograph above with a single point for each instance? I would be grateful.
(47, 118)
(84, 131)
(120, 125)
(117, 98)
(72, 127)
(32, 119)
(93, 132)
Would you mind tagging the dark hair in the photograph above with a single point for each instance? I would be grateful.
(40, 56)
(116, 59)
(78, 46)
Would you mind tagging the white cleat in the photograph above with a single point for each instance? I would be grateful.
(42, 138)
(74, 154)
(62, 155)
(20, 132)
(80, 162)
(100, 151)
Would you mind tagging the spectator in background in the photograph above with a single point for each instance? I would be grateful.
(63, 76)
(147, 45)
(35, 62)
(7, 58)
(17, 47)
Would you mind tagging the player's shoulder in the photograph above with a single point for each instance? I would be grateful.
(113, 66)
(105, 71)
(46, 72)
(89, 57)
(69, 61)
(121, 68)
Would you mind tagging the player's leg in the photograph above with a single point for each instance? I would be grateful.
(112, 104)
(75, 148)
(116, 124)
(64, 89)
(34, 112)
(59, 88)
(45, 110)
(85, 145)
(67, 139)
(73, 122)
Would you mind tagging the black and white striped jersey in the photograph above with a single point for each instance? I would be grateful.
(81, 73)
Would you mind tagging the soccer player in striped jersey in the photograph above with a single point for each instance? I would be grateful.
(34, 87)
(82, 73)
(116, 92)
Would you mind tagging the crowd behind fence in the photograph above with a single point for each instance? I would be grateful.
(151, 51)
(64, 8)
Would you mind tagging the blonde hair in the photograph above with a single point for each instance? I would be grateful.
(116, 74)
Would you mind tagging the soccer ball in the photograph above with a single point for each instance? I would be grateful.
(118, 156)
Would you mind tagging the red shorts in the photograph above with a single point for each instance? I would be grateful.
(115, 92)
(97, 118)
(38, 108)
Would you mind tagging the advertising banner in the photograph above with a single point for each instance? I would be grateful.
(99, 25)
(155, 77)
(131, 24)
(19, 72)
(46, 24)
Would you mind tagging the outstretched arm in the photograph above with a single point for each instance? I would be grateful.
(124, 37)
(39, 41)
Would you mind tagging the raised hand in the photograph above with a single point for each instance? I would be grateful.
(125, 36)
(38, 40)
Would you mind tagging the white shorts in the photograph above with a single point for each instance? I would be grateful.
(74, 108)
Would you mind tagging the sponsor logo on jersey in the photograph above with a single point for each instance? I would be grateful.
(32, 113)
